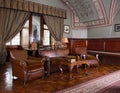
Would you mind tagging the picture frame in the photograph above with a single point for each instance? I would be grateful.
(117, 27)
(66, 29)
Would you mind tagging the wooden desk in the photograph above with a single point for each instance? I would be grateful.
(48, 54)
(71, 65)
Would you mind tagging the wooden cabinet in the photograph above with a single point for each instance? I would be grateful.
(76, 43)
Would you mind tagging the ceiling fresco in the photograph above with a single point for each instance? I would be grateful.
(85, 9)
(92, 13)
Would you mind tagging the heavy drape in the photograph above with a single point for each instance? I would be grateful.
(56, 26)
(11, 22)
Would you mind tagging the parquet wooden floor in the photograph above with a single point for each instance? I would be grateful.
(54, 82)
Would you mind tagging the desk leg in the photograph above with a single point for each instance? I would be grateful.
(77, 68)
(86, 73)
(61, 71)
(48, 66)
(70, 72)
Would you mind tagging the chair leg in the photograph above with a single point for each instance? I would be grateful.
(25, 82)
(43, 74)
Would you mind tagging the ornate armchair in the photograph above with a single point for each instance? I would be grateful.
(26, 68)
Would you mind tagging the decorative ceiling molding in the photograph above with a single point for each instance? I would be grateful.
(112, 11)
(85, 9)
(103, 11)
(76, 22)
(102, 19)
(117, 9)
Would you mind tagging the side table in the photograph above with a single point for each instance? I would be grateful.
(71, 65)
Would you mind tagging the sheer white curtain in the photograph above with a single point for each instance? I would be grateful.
(56, 26)
(11, 22)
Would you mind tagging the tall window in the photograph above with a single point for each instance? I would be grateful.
(35, 28)
(46, 36)
(25, 35)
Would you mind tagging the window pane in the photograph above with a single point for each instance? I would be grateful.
(8, 43)
(45, 26)
(27, 24)
(46, 40)
(35, 28)
(25, 38)
(16, 40)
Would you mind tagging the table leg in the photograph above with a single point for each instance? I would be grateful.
(61, 70)
(48, 66)
(77, 66)
(70, 72)
(86, 73)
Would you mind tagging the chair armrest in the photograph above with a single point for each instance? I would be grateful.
(91, 57)
(34, 58)
(19, 62)
(31, 62)
(69, 58)
(18, 65)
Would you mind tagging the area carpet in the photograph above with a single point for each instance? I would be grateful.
(113, 88)
(97, 85)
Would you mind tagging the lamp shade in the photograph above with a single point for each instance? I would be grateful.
(64, 40)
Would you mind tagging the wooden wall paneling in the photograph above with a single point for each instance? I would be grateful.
(112, 45)
(95, 44)
(110, 59)
(107, 48)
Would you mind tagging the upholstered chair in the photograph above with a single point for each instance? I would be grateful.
(82, 53)
(26, 68)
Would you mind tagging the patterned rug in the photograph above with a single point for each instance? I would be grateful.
(113, 88)
(95, 85)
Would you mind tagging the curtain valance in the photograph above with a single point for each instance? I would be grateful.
(33, 7)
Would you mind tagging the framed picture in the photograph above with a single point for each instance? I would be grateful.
(117, 27)
(66, 29)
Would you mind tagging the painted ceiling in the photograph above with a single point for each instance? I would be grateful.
(89, 13)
